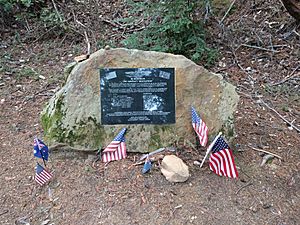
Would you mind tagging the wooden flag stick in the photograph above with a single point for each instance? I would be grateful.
(210, 147)
(38, 144)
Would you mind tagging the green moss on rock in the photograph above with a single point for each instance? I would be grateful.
(52, 123)
(80, 135)
(157, 138)
(89, 134)
(155, 142)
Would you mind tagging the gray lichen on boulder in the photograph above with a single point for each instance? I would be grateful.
(73, 115)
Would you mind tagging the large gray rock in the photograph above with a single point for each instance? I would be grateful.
(72, 116)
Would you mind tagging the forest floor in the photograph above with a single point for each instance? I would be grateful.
(259, 53)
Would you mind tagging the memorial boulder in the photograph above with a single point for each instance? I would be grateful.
(75, 114)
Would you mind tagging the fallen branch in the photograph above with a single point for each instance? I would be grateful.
(4, 212)
(260, 48)
(88, 44)
(284, 119)
(123, 26)
(292, 75)
(207, 10)
(136, 164)
(152, 159)
(56, 10)
(128, 28)
(264, 151)
(236, 60)
(228, 10)
(246, 185)
(115, 24)
(44, 34)
(171, 149)
(296, 32)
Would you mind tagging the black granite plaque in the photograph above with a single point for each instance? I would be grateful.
(137, 95)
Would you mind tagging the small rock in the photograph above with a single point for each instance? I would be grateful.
(197, 163)
(42, 77)
(222, 64)
(265, 159)
(178, 207)
(266, 205)
(174, 169)
(253, 209)
(193, 218)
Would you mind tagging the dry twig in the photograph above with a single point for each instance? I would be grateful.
(260, 48)
(228, 10)
(246, 185)
(264, 151)
(125, 27)
(284, 119)
(56, 10)
(88, 44)
(4, 212)
(290, 76)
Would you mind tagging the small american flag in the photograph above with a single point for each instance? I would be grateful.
(42, 176)
(221, 160)
(199, 127)
(116, 150)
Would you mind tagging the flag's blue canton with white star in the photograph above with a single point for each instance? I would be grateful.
(220, 145)
(199, 127)
(40, 150)
(120, 136)
(195, 117)
(39, 169)
(42, 176)
(116, 150)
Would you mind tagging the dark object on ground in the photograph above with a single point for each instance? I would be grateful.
(147, 166)
(293, 8)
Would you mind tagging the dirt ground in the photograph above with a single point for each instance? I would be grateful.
(259, 53)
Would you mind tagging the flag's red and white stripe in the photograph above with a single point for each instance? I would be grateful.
(202, 132)
(222, 163)
(116, 150)
(43, 177)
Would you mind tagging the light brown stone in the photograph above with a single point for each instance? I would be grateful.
(174, 169)
(72, 116)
